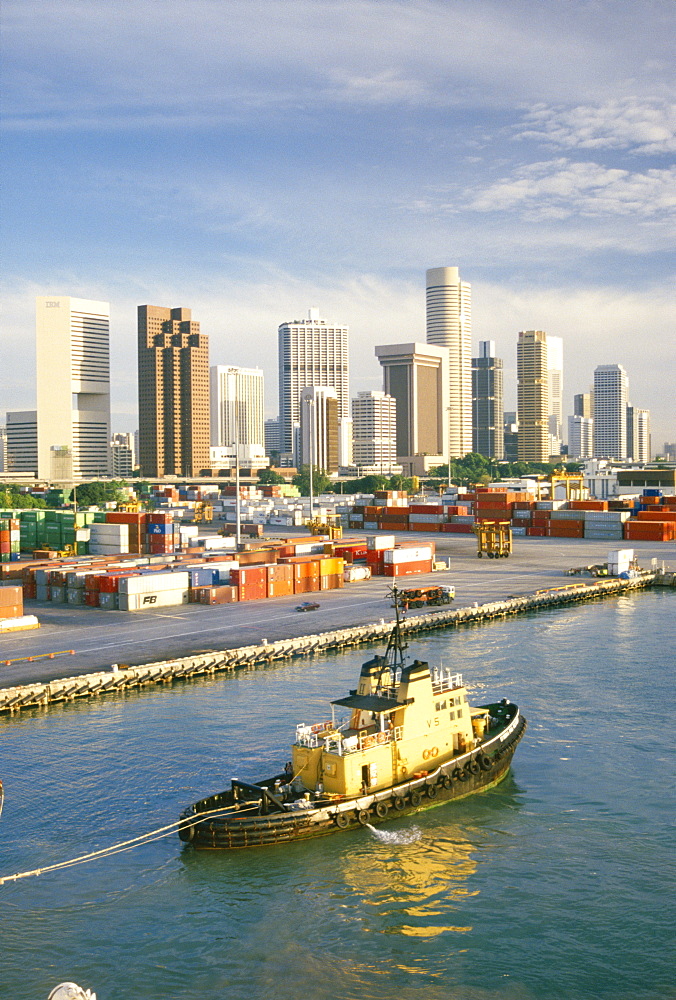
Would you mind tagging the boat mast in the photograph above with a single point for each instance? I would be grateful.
(394, 654)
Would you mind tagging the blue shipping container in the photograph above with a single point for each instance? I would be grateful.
(159, 529)
(202, 577)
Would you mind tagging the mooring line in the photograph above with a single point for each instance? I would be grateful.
(125, 845)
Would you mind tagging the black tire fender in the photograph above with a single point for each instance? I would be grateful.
(473, 767)
(416, 798)
(460, 775)
(342, 820)
(447, 781)
(382, 809)
(399, 803)
(363, 816)
(485, 762)
(432, 791)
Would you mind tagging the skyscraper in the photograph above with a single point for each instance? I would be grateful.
(173, 388)
(374, 422)
(487, 406)
(416, 375)
(555, 374)
(21, 453)
(73, 387)
(123, 454)
(638, 434)
(319, 428)
(532, 367)
(311, 352)
(580, 436)
(449, 325)
(583, 404)
(237, 398)
(611, 386)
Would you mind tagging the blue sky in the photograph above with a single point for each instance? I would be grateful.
(251, 159)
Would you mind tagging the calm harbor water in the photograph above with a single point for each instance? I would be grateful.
(555, 885)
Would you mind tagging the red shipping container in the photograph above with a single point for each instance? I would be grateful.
(407, 569)
(218, 595)
(457, 529)
(255, 576)
(566, 529)
(536, 532)
(656, 515)
(252, 592)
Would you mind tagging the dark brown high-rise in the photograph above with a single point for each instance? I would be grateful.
(173, 393)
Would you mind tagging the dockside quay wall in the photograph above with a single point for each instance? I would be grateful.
(43, 695)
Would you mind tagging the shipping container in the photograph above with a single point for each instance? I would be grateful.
(408, 568)
(149, 601)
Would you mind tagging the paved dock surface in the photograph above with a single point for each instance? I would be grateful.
(100, 637)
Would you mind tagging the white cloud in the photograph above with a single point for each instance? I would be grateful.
(647, 127)
(111, 63)
(558, 189)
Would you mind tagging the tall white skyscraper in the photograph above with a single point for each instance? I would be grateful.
(237, 401)
(73, 387)
(374, 423)
(312, 352)
(611, 387)
(449, 325)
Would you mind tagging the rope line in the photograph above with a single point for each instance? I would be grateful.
(125, 845)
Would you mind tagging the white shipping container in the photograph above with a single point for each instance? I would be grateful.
(146, 602)
(354, 573)
(153, 583)
(217, 543)
(96, 549)
(417, 553)
(376, 543)
(97, 531)
(621, 555)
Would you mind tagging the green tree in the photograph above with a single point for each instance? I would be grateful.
(365, 484)
(97, 493)
(320, 481)
(11, 497)
(270, 478)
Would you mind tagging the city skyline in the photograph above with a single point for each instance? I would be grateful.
(535, 159)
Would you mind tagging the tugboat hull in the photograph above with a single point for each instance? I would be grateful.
(231, 829)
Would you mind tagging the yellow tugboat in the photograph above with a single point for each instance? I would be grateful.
(408, 740)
